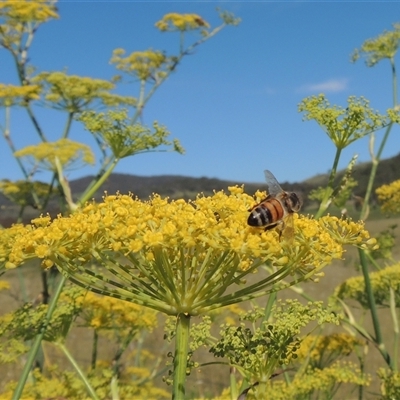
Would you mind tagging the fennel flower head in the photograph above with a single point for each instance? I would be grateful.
(182, 256)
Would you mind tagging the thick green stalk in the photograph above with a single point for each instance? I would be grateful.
(38, 340)
(114, 388)
(233, 383)
(71, 359)
(372, 306)
(363, 215)
(181, 356)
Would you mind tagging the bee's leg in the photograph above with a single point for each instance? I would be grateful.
(281, 228)
(267, 228)
(280, 225)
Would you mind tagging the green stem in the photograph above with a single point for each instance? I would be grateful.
(120, 351)
(393, 312)
(94, 349)
(372, 306)
(394, 81)
(301, 292)
(362, 369)
(375, 161)
(326, 201)
(181, 356)
(36, 123)
(95, 185)
(7, 137)
(171, 68)
(49, 192)
(71, 359)
(38, 340)
(68, 125)
(114, 388)
(268, 307)
(20, 65)
(233, 383)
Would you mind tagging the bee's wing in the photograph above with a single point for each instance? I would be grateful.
(272, 184)
(288, 230)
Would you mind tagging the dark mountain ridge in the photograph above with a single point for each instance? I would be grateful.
(176, 186)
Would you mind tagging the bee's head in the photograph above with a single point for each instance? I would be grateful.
(294, 202)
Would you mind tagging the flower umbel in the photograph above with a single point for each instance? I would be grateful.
(382, 282)
(379, 48)
(181, 257)
(259, 351)
(343, 126)
(181, 22)
(68, 152)
(389, 197)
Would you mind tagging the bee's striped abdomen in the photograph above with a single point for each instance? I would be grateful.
(269, 211)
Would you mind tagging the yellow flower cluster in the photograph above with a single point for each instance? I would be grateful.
(7, 239)
(66, 151)
(185, 254)
(24, 192)
(390, 383)
(343, 126)
(25, 11)
(11, 95)
(106, 313)
(74, 93)
(381, 283)
(389, 197)
(145, 65)
(314, 383)
(61, 383)
(181, 22)
(4, 285)
(18, 21)
(384, 46)
(323, 349)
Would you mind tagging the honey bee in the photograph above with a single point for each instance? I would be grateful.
(276, 209)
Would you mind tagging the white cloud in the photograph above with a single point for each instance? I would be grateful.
(329, 86)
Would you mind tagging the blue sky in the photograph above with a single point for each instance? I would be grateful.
(233, 103)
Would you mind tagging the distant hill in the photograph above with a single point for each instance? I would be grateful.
(388, 171)
(186, 187)
(173, 186)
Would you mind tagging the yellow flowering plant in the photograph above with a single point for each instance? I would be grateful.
(257, 351)
(122, 323)
(79, 98)
(314, 383)
(344, 126)
(183, 258)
